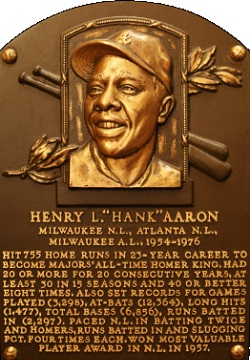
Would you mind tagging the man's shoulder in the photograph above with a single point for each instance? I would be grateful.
(164, 174)
(81, 152)
(81, 166)
(85, 172)
(86, 169)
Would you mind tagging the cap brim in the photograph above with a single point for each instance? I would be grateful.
(85, 56)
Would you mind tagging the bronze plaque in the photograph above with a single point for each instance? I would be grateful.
(124, 187)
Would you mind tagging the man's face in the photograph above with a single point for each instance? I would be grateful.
(121, 107)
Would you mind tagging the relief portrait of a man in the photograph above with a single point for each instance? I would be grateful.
(128, 95)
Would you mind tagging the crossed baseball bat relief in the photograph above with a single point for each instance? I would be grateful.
(206, 155)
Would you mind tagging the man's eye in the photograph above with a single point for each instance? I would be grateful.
(129, 89)
(95, 90)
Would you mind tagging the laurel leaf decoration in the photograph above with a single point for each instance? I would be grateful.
(203, 75)
(58, 158)
(36, 145)
(44, 151)
(228, 77)
(44, 177)
(45, 159)
(192, 89)
(204, 78)
(194, 60)
(207, 58)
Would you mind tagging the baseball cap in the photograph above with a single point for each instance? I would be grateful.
(145, 50)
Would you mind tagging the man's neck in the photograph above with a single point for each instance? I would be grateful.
(131, 168)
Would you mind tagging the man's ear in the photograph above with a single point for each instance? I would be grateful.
(165, 109)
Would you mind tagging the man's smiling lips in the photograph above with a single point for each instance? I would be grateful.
(109, 124)
(107, 128)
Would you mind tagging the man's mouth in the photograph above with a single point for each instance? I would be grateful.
(109, 125)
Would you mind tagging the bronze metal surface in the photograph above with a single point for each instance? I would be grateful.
(10, 353)
(238, 352)
(9, 56)
(125, 197)
(238, 52)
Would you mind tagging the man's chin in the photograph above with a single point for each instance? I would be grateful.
(115, 151)
(113, 154)
(112, 150)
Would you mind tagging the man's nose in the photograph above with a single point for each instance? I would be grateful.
(109, 99)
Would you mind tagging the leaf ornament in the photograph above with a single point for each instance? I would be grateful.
(58, 158)
(203, 75)
(44, 160)
(44, 151)
(229, 76)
